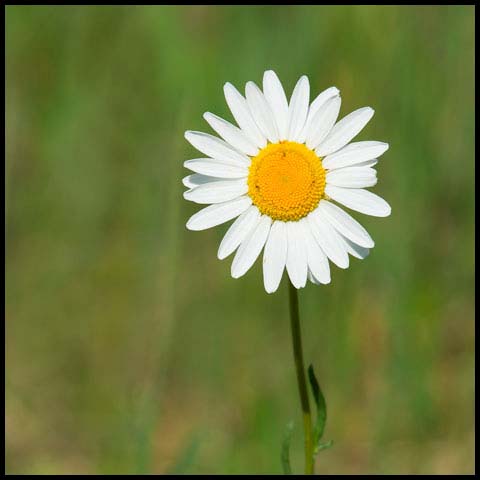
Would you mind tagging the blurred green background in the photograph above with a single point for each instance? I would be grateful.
(129, 347)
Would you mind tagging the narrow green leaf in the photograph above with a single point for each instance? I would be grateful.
(287, 469)
(323, 446)
(320, 404)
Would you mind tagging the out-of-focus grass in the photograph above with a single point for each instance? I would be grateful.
(129, 347)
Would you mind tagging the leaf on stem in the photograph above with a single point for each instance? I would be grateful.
(321, 409)
(287, 469)
(323, 446)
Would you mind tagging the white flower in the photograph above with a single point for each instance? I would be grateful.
(280, 172)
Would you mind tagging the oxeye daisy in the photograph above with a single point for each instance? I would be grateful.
(282, 174)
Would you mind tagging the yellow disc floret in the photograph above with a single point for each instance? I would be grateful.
(286, 181)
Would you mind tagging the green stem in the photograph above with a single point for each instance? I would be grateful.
(302, 384)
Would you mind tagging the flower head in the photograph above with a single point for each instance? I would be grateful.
(280, 173)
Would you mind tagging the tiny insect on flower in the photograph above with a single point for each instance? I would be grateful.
(280, 173)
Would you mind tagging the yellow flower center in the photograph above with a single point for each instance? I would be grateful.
(286, 181)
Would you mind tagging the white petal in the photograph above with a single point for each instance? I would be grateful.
(312, 279)
(354, 153)
(196, 179)
(219, 213)
(323, 121)
(366, 163)
(360, 200)
(347, 128)
(317, 260)
(231, 134)
(355, 250)
(327, 237)
(215, 168)
(314, 107)
(215, 148)
(352, 177)
(345, 224)
(238, 231)
(242, 115)
(275, 96)
(298, 108)
(297, 266)
(217, 192)
(261, 112)
(251, 247)
(275, 256)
